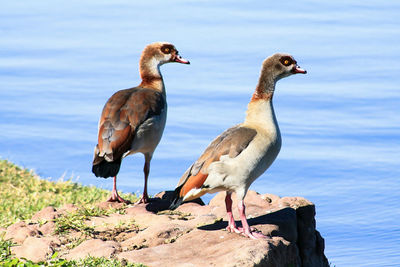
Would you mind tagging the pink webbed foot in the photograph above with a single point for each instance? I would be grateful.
(246, 230)
(233, 229)
(114, 194)
(143, 200)
(252, 233)
(146, 169)
(115, 197)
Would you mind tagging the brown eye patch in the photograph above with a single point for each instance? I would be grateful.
(286, 60)
(167, 48)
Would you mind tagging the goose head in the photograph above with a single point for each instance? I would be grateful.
(281, 65)
(159, 53)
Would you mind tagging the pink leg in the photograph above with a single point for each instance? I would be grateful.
(146, 169)
(246, 230)
(231, 221)
(114, 194)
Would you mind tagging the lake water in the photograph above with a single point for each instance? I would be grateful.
(340, 123)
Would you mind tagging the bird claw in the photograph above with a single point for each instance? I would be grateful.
(143, 200)
(233, 229)
(251, 233)
(117, 198)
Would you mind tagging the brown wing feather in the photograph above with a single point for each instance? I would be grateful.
(123, 113)
(231, 142)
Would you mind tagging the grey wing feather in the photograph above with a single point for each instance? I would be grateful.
(231, 142)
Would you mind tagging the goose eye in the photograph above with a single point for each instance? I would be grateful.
(166, 49)
(286, 61)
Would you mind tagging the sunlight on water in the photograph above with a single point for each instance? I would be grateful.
(340, 125)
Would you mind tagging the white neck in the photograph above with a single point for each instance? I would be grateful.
(152, 67)
(151, 75)
(260, 113)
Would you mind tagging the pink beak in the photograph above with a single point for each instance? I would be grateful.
(180, 59)
(297, 69)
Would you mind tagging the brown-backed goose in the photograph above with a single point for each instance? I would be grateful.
(133, 119)
(242, 153)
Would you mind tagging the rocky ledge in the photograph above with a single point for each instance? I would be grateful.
(192, 235)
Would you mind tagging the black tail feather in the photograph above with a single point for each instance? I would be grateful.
(106, 169)
(177, 200)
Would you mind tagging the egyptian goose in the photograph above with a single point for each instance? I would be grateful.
(242, 153)
(133, 119)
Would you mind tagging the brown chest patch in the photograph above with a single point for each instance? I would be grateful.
(261, 96)
(149, 81)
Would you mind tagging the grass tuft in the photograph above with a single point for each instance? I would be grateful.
(76, 220)
(7, 260)
(23, 193)
(176, 215)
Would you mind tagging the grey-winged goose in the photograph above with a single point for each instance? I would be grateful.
(242, 153)
(133, 119)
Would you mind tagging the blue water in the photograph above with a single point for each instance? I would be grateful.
(340, 123)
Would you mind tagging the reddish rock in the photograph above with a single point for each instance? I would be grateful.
(264, 212)
(136, 210)
(148, 219)
(215, 248)
(36, 249)
(288, 221)
(110, 205)
(18, 232)
(269, 197)
(156, 235)
(48, 228)
(195, 208)
(191, 235)
(46, 214)
(67, 208)
(95, 248)
(256, 204)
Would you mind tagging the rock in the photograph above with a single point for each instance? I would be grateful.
(264, 212)
(48, 228)
(192, 235)
(46, 214)
(215, 248)
(110, 205)
(105, 223)
(156, 235)
(256, 204)
(311, 244)
(288, 221)
(36, 249)
(194, 208)
(68, 208)
(136, 210)
(95, 248)
(18, 232)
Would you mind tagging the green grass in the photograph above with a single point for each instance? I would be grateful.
(22, 194)
(73, 221)
(76, 220)
(6, 260)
